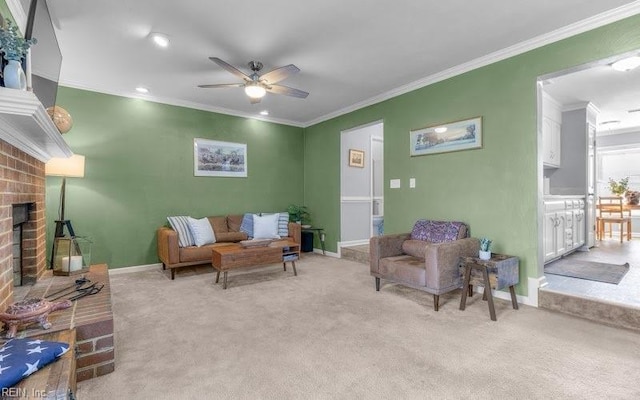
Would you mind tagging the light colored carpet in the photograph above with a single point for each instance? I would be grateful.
(589, 270)
(327, 334)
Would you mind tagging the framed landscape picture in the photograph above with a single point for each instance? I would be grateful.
(452, 136)
(216, 158)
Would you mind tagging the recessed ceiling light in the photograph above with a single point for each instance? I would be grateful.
(634, 110)
(160, 39)
(610, 123)
(141, 89)
(264, 112)
(441, 129)
(626, 64)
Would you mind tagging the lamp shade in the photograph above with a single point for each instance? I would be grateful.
(72, 167)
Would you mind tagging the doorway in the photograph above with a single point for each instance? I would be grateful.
(617, 135)
(361, 184)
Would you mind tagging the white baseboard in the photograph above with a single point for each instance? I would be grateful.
(135, 268)
(530, 300)
(327, 253)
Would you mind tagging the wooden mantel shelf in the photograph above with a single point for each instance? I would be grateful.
(25, 124)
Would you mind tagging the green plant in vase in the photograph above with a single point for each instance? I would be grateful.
(299, 214)
(485, 249)
(12, 44)
(619, 188)
(14, 49)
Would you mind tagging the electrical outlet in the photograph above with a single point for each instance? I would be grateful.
(412, 183)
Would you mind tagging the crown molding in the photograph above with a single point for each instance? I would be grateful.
(576, 28)
(503, 54)
(179, 103)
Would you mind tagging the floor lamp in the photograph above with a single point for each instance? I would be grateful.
(72, 167)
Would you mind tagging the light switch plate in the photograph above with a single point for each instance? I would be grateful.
(394, 183)
(412, 182)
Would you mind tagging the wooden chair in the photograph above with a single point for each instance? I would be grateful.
(611, 211)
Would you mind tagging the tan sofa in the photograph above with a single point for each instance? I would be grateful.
(429, 264)
(226, 229)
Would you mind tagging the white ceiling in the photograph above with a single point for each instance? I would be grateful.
(351, 53)
(613, 92)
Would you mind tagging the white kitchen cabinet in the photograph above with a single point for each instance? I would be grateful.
(564, 226)
(551, 131)
(551, 142)
(579, 224)
(555, 230)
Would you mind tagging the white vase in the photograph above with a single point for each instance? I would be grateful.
(484, 255)
(14, 77)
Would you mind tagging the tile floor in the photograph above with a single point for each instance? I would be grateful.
(610, 251)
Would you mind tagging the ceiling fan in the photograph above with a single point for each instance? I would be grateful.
(255, 85)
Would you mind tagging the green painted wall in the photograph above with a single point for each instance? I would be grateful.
(494, 189)
(139, 170)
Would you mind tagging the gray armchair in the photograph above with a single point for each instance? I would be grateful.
(425, 259)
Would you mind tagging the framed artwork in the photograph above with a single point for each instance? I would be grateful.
(356, 158)
(216, 158)
(452, 136)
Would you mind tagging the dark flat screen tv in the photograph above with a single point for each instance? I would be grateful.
(46, 58)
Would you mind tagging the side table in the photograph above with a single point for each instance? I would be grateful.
(498, 272)
(320, 233)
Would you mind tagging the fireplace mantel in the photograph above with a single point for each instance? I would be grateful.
(25, 124)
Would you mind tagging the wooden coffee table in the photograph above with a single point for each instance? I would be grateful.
(234, 256)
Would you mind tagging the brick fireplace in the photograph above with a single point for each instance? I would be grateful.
(22, 181)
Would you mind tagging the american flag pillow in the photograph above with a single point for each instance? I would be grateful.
(20, 358)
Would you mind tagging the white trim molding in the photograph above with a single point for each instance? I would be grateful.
(135, 268)
(327, 253)
(25, 124)
(19, 14)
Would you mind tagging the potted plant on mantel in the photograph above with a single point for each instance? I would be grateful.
(298, 214)
(14, 49)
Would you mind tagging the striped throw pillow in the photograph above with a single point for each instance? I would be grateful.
(283, 224)
(247, 225)
(180, 224)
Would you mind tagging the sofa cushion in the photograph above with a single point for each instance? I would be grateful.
(201, 231)
(227, 237)
(247, 225)
(265, 226)
(234, 222)
(404, 269)
(438, 231)
(415, 248)
(219, 225)
(180, 224)
(193, 253)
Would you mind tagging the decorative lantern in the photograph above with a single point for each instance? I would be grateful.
(71, 255)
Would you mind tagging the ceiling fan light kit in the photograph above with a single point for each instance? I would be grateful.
(256, 85)
(254, 90)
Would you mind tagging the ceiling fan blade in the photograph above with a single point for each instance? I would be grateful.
(222, 85)
(230, 68)
(279, 89)
(279, 74)
(255, 100)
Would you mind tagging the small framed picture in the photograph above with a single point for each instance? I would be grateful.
(356, 158)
